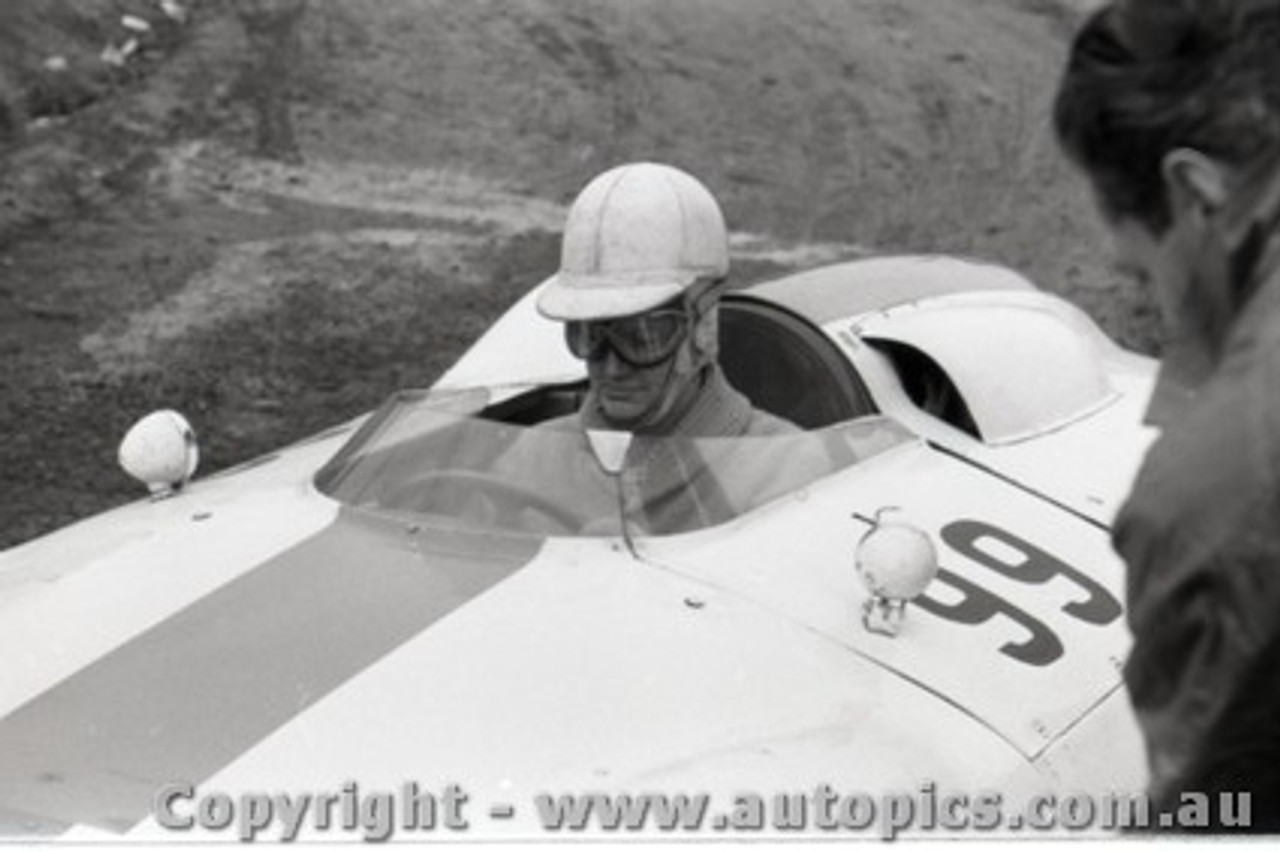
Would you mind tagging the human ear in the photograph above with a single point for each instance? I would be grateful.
(1194, 183)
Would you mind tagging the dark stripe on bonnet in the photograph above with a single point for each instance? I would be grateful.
(187, 697)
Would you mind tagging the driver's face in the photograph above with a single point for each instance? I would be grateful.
(629, 395)
(633, 363)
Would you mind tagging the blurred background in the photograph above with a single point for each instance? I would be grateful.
(270, 214)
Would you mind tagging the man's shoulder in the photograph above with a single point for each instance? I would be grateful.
(1219, 464)
(762, 424)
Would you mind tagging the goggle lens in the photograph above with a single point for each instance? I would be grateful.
(641, 341)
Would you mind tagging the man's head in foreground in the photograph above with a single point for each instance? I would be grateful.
(1172, 110)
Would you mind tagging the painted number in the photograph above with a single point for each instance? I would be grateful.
(1030, 564)
(1013, 557)
(979, 606)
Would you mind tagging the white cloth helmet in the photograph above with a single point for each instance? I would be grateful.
(637, 236)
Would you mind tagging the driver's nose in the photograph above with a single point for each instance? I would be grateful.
(613, 365)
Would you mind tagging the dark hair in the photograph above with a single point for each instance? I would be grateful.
(1148, 76)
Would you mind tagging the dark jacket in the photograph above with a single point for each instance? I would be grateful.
(1201, 537)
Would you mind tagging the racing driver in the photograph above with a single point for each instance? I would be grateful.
(644, 261)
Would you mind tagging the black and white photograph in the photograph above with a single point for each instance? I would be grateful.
(659, 421)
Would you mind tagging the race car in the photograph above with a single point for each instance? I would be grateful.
(393, 602)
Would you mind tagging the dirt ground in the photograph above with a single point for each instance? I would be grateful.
(150, 258)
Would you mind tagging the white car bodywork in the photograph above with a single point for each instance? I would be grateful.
(252, 634)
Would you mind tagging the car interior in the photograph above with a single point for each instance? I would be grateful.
(785, 366)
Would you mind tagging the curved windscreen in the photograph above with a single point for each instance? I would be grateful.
(420, 457)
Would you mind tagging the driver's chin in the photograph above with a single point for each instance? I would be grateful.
(625, 411)
(634, 399)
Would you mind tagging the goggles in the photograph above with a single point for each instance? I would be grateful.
(644, 340)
